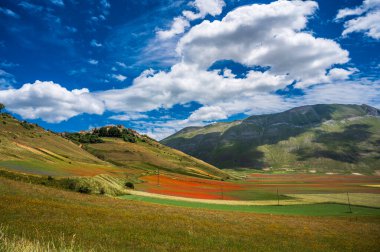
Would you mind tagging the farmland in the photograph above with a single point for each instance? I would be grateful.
(34, 212)
(178, 202)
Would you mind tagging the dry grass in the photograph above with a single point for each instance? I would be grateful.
(12, 243)
(107, 224)
(358, 199)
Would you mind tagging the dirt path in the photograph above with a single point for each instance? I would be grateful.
(223, 202)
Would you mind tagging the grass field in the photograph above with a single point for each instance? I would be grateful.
(38, 213)
(322, 209)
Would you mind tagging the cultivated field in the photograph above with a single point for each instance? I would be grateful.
(37, 214)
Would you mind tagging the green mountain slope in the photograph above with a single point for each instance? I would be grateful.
(320, 138)
(146, 154)
(30, 149)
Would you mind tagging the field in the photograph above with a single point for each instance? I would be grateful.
(258, 187)
(178, 202)
(33, 212)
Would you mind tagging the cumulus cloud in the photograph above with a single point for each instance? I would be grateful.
(271, 36)
(255, 35)
(50, 101)
(263, 35)
(178, 26)
(205, 7)
(208, 113)
(119, 77)
(180, 23)
(367, 19)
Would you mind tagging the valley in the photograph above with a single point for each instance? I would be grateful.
(121, 180)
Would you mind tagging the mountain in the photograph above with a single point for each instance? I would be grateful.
(30, 149)
(315, 138)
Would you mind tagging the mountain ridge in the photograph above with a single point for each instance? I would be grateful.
(245, 143)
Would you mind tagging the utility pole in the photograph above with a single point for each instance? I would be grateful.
(278, 198)
(221, 189)
(158, 176)
(349, 203)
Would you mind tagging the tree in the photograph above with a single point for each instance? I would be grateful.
(103, 132)
(114, 132)
(1, 107)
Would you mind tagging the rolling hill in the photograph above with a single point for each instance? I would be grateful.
(146, 154)
(30, 149)
(315, 138)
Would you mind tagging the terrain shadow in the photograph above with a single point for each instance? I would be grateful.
(339, 146)
(238, 145)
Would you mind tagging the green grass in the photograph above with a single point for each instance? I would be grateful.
(37, 213)
(150, 156)
(254, 194)
(306, 210)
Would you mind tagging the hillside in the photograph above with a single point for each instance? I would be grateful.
(315, 138)
(30, 149)
(141, 153)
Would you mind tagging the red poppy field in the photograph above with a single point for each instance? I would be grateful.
(257, 186)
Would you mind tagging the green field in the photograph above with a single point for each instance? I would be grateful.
(307, 210)
(33, 214)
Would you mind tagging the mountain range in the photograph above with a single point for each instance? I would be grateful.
(314, 138)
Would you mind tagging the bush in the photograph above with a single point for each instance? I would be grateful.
(27, 125)
(102, 191)
(84, 189)
(129, 185)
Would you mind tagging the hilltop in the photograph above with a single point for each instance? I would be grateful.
(315, 138)
(127, 148)
(112, 151)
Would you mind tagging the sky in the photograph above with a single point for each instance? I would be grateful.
(158, 66)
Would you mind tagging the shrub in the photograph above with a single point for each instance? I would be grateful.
(129, 185)
(27, 125)
(84, 189)
(102, 191)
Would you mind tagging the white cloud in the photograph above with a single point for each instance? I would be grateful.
(340, 73)
(206, 7)
(367, 19)
(6, 80)
(208, 113)
(30, 6)
(121, 64)
(180, 23)
(178, 26)
(9, 12)
(119, 77)
(128, 117)
(50, 101)
(94, 43)
(57, 2)
(264, 35)
(93, 62)
(267, 35)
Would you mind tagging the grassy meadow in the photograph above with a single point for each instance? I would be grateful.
(39, 213)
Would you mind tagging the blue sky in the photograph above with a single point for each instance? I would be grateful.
(159, 66)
